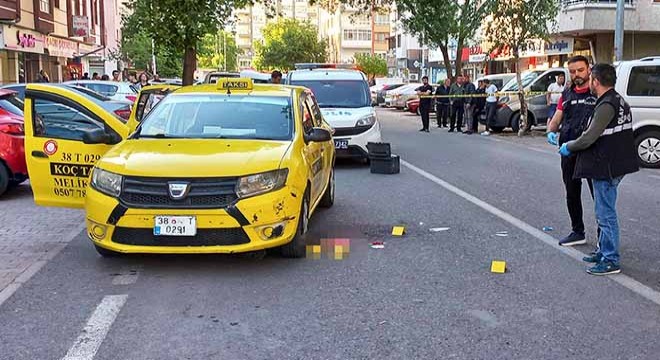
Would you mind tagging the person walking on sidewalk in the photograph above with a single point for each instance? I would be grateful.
(442, 104)
(491, 106)
(605, 154)
(425, 102)
(457, 105)
(574, 108)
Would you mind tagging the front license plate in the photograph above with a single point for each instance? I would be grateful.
(341, 144)
(175, 225)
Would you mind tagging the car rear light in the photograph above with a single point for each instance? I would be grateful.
(123, 113)
(131, 98)
(12, 129)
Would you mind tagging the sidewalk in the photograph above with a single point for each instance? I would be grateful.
(30, 235)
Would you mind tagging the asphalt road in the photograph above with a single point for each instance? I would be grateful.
(425, 295)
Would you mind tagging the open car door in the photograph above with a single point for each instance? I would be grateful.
(65, 134)
(148, 97)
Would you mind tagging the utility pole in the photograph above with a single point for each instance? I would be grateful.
(224, 49)
(618, 32)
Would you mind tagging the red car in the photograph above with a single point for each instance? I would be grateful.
(413, 106)
(13, 169)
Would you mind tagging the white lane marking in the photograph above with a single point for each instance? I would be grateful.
(98, 325)
(10, 289)
(127, 276)
(628, 282)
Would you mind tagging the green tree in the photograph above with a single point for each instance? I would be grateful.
(287, 42)
(372, 65)
(212, 49)
(179, 25)
(515, 25)
(137, 50)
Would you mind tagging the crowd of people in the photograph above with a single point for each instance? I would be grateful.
(138, 81)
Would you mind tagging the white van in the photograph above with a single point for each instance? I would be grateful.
(638, 81)
(344, 98)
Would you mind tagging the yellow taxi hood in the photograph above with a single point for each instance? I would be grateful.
(193, 158)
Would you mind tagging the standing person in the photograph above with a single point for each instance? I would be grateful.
(276, 77)
(574, 108)
(469, 104)
(425, 102)
(96, 76)
(442, 104)
(554, 93)
(85, 76)
(143, 80)
(605, 154)
(478, 104)
(491, 106)
(132, 79)
(457, 105)
(116, 76)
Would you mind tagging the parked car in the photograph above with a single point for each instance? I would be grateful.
(121, 108)
(257, 77)
(113, 90)
(380, 96)
(213, 76)
(13, 169)
(413, 106)
(404, 94)
(508, 108)
(638, 81)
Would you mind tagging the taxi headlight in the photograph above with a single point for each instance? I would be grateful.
(106, 182)
(261, 183)
(366, 120)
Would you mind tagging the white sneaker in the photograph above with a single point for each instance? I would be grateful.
(485, 133)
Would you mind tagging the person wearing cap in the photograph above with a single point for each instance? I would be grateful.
(276, 77)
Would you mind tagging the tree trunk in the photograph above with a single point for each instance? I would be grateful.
(189, 64)
(445, 58)
(459, 55)
(521, 95)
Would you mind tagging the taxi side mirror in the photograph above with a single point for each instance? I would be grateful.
(100, 136)
(317, 135)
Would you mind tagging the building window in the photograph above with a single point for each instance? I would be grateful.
(380, 36)
(357, 35)
(382, 19)
(44, 6)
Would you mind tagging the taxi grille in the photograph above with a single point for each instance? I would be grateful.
(348, 131)
(209, 193)
(204, 237)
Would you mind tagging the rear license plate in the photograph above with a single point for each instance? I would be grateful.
(175, 226)
(341, 144)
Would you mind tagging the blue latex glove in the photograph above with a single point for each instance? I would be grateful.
(563, 150)
(552, 138)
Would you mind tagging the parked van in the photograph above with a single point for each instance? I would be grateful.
(498, 80)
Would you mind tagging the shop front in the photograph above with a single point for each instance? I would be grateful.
(60, 54)
(91, 57)
(21, 53)
(539, 55)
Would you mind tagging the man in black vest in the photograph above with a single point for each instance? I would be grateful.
(574, 108)
(605, 153)
(425, 102)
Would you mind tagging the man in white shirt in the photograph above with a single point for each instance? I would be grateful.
(491, 105)
(554, 93)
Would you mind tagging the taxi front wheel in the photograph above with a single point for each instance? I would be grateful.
(329, 196)
(296, 248)
(105, 252)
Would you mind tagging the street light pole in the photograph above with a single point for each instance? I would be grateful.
(618, 31)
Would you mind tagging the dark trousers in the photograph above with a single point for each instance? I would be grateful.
(424, 111)
(442, 112)
(574, 192)
(491, 110)
(457, 110)
(476, 113)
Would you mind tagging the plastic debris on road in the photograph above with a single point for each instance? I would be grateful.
(502, 233)
(498, 267)
(398, 230)
(548, 228)
(438, 229)
(377, 245)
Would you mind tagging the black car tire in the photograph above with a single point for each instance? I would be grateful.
(297, 247)
(515, 122)
(328, 198)
(4, 178)
(647, 139)
(105, 252)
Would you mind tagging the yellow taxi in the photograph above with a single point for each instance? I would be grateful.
(223, 168)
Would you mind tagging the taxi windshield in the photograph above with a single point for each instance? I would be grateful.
(198, 116)
(338, 93)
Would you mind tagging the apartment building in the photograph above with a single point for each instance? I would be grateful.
(61, 37)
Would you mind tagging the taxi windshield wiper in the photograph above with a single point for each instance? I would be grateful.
(157, 136)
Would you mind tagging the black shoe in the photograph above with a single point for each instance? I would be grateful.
(604, 268)
(469, 132)
(427, 130)
(451, 130)
(459, 130)
(422, 129)
(592, 258)
(439, 126)
(573, 239)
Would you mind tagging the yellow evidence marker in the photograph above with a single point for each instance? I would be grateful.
(498, 267)
(398, 230)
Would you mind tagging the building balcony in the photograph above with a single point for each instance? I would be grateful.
(583, 17)
(356, 44)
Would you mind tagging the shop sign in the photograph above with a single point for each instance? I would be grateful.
(559, 46)
(22, 40)
(80, 26)
(476, 54)
(61, 47)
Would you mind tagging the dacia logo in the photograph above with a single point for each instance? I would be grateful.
(178, 190)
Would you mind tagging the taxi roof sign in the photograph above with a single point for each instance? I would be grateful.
(234, 84)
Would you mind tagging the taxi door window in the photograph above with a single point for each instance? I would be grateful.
(308, 120)
(314, 109)
(57, 120)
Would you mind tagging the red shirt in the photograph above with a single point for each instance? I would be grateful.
(560, 104)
